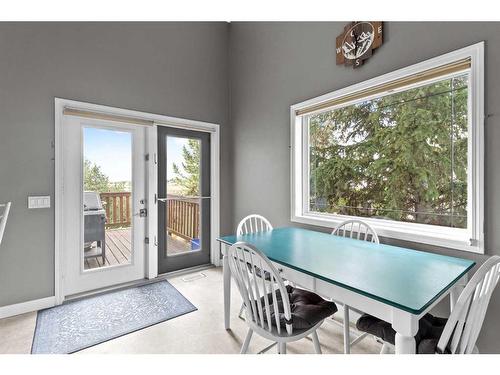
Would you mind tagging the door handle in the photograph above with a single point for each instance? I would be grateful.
(143, 212)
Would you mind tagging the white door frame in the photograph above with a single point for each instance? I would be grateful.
(155, 120)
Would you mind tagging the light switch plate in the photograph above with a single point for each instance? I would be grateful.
(42, 201)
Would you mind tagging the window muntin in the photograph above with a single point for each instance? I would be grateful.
(400, 156)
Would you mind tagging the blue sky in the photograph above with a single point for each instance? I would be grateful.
(111, 150)
(174, 154)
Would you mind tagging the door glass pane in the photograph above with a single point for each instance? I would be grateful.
(183, 192)
(107, 198)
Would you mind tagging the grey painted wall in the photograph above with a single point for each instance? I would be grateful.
(183, 70)
(176, 69)
(275, 65)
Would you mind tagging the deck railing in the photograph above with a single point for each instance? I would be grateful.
(117, 206)
(183, 217)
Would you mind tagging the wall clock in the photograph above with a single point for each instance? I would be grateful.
(357, 42)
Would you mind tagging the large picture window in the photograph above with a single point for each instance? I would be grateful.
(402, 156)
(402, 151)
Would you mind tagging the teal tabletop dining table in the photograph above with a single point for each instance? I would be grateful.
(396, 284)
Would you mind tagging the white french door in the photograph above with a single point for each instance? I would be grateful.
(104, 211)
(184, 217)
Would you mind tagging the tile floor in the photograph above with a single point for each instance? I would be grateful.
(199, 332)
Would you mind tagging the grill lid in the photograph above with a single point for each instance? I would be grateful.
(91, 201)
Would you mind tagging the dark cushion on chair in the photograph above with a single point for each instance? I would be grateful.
(427, 337)
(307, 308)
(427, 346)
(258, 272)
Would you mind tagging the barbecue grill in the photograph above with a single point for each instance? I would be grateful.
(94, 225)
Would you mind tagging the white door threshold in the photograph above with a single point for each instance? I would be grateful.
(184, 271)
(136, 283)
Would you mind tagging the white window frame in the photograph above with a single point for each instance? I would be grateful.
(470, 239)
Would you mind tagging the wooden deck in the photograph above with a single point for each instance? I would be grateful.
(118, 249)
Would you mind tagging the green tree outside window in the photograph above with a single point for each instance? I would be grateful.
(187, 177)
(400, 157)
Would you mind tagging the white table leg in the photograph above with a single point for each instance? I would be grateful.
(405, 344)
(406, 326)
(347, 336)
(226, 272)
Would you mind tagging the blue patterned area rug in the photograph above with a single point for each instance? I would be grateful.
(77, 325)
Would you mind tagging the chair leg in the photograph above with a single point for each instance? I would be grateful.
(246, 343)
(317, 346)
(347, 336)
(267, 348)
(385, 349)
(359, 338)
(240, 315)
(282, 348)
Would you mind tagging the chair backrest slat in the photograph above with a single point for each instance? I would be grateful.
(243, 276)
(464, 324)
(252, 224)
(266, 290)
(247, 282)
(488, 287)
(4, 215)
(275, 308)
(257, 291)
(356, 229)
(460, 326)
(236, 270)
(471, 316)
(248, 265)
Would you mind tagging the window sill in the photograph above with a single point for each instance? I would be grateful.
(452, 238)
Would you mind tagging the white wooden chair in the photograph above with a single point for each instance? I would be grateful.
(461, 330)
(5, 208)
(264, 297)
(464, 324)
(252, 224)
(358, 230)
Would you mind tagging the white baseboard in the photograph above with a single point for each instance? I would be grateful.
(25, 307)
